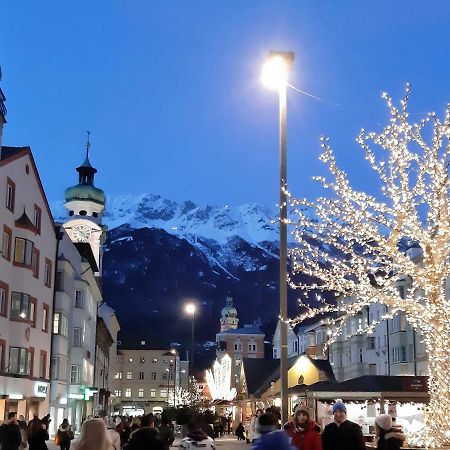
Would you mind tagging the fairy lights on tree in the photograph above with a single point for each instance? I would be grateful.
(353, 243)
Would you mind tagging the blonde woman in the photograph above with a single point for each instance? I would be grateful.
(93, 436)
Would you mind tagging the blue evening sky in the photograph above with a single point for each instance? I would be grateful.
(170, 89)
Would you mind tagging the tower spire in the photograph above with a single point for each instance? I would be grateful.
(88, 143)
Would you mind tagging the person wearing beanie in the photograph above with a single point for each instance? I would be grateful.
(303, 431)
(387, 437)
(342, 434)
(271, 438)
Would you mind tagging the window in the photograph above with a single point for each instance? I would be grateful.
(128, 392)
(141, 375)
(23, 252)
(118, 393)
(60, 324)
(18, 360)
(153, 375)
(30, 360)
(3, 299)
(371, 343)
(43, 364)
(77, 336)
(75, 373)
(360, 355)
(152, 392)
(142, 359)
(79, 300)
(129, 376)
(35, 263)
(20, 307)
(37, 218)
(48, 273)
(164, 376)
(33, 306)
(6, 242)
(155, 360)
(59, 280)
(45, 310)
(163, 392)
(10, 194)
(141, 393)
(118, 376)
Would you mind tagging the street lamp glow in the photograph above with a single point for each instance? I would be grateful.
(190, 308)
(275, 72)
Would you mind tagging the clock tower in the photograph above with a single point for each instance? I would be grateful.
(85, 205)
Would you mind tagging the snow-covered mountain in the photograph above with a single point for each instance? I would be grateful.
(251, 222)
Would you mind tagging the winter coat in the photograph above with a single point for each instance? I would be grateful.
(240, 431)
(198, 439)
(306, 438)
(275, 440)
(37, 441)
(252, 431)
(115, 438)
(143, 438)
(10, 436)
(347, 436)
(392, 440)
(65, 434)
(167, 433)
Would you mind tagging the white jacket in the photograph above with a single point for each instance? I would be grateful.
(115, 438)
(189, 444)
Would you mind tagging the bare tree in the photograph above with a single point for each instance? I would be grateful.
(353, 243)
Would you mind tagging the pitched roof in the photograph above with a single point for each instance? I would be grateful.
(243, 330)
(8, 152)
(85, 250)
(321, 364)
(257, 370)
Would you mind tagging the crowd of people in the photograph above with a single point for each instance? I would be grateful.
(156, 432)
(302, 433)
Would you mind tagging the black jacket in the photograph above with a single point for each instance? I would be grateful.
(144, 438)
(392, 440)
(10, 436)
(37, 441)
(346, 436)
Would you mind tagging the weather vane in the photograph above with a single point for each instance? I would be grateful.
(88, 144)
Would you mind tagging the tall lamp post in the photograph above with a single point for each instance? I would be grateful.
(190, 308)
(275, 76)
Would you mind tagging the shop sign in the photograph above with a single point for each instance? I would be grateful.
(40, 389)
(415, 385)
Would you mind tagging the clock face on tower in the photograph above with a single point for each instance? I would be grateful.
(82, 233)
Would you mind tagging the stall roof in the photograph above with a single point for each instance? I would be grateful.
(376, 383)
(257, 370)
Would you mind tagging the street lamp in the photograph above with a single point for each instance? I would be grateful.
(190, 308)
(275, 74)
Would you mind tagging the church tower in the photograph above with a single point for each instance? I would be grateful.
(85, 205)
(229, 319)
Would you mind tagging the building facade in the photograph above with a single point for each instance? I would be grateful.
(82, 338)
(27, 265)
(146, 379)
(237, 343)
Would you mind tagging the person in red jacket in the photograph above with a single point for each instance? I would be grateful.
(303, 431)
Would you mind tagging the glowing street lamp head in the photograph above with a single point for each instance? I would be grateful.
(275, 71)
(190, 308)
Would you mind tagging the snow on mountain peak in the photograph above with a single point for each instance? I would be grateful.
(251, 221)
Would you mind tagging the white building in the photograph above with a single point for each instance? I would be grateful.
(146, 379)
(27, 264)
(292, 342)
(84, 328)
(394, 348)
